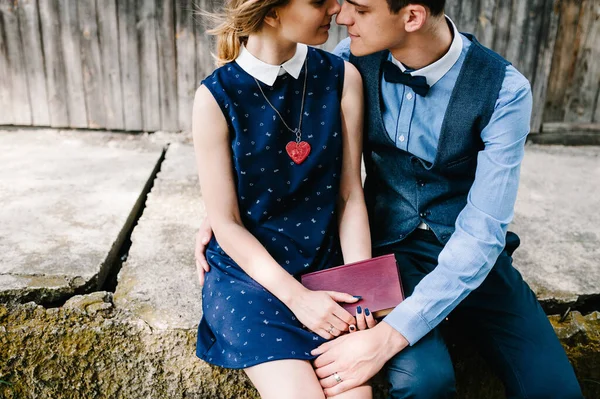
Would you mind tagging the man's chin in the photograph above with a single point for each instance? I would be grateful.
(358, 50)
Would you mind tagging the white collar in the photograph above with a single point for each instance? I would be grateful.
(437, 70)
(267, 73)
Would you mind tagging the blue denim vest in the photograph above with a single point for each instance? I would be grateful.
(402, 190)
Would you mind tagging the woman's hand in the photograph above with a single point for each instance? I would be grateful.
(320, 312)
(202, 238)
(364, 319)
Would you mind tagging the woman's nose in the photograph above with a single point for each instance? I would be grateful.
(335, 8)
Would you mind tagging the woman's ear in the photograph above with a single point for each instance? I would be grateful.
(415, 16)
(272, 18)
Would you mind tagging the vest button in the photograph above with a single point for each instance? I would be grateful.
(422, 214)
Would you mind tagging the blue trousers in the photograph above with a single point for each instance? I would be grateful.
(502, 317)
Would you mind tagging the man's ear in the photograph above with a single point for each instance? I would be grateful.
(272, 18)
(415, 16)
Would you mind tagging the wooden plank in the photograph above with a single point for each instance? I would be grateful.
(486, 29)
(186, 62)
(149, 75)
(205, 43)
(70, 40)
(502, 23)
(108, 32)
(453, 11)
(531, 38)
(167, 64)
(558, 127)
(582, 94)
(568, 134)
(91, 64)
(516, 35)
(19, 95)
(469, 12)
(56, 79)
(563, 61)
(548, 34)
(130, 65)
(564, 138)
(596, 117)
(6, 111)
(36, 76)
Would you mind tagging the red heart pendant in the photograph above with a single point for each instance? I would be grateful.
(298, 151)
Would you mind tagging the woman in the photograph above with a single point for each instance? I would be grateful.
(277, 134)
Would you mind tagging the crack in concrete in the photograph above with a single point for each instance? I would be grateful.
(106, 278)
(111, 281)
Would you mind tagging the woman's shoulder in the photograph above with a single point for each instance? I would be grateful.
(326, 59)
(220, 75)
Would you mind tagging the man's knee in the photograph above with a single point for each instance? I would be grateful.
(431, 381)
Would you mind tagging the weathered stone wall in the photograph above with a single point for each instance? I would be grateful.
(90, 349)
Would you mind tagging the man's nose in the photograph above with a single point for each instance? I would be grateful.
(344, 16)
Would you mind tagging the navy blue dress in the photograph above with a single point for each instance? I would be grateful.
(289, 208)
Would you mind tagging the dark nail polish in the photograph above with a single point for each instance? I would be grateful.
(358, 297)
(358, 310)
(367, 313)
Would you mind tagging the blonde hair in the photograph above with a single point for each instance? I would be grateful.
(235, 22)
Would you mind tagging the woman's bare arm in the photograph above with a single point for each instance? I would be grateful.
(355, 237)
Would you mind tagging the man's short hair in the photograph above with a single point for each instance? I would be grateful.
(436, 6)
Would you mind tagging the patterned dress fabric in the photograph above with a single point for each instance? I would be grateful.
(289, 208)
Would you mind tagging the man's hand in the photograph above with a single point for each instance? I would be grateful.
(202, 238)
(356, 357)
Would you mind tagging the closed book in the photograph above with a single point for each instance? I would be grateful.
(376, 280)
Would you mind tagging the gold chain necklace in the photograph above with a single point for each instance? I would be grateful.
(297, 150)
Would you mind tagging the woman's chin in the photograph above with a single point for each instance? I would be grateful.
(317, 40)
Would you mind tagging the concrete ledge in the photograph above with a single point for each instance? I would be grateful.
(68, 200)
(90, 349)
(140, 342)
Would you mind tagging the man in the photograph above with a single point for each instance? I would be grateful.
(445, 125)
(446, 121)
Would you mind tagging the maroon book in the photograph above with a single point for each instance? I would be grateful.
(376, 280)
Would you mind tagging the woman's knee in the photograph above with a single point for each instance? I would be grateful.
(429, 382)
(294, 379)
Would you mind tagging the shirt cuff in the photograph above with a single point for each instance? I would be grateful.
(408, 323)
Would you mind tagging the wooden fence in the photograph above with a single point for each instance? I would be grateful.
(135, 64)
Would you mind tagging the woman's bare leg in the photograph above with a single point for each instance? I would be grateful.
(294, 379)
(361, 392)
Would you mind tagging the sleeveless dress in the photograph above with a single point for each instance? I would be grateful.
(289, 208)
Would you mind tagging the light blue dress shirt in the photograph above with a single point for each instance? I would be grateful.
(414, 123)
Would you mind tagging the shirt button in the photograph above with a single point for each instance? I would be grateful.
(402, 138)
(409, 96)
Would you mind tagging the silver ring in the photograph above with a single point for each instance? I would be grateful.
(337, 377)
(330, 331)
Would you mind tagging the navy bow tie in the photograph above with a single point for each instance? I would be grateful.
(393, 74)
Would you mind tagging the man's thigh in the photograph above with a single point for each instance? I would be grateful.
(423, 370)
(513, 333)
